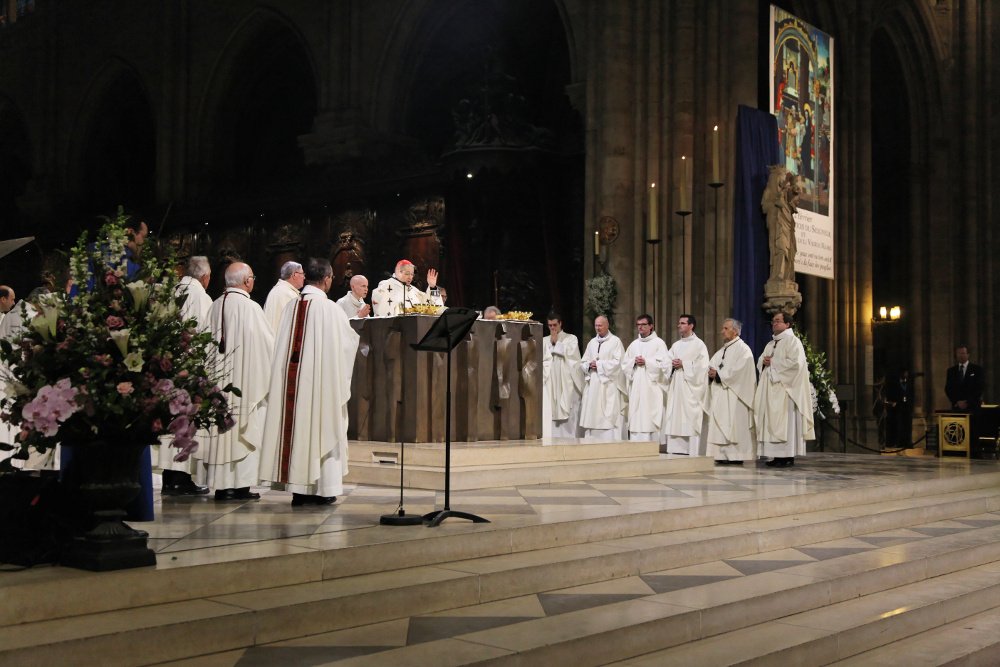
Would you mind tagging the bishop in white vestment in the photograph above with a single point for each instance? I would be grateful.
(605, 399)
(230, 463)
(290, 281)
(687, 389)
(732, 380)
(782, 405)
(305, 437)
(646, 365)
(562, 378)
(396, 293)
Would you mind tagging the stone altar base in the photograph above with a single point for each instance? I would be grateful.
(483, 465)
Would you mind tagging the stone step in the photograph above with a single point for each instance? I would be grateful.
(808, 614)
(494, 475)
(655, 539)
(875, 624)
(262, 616)
(499, 452)
(973, 641)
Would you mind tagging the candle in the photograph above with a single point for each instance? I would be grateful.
(715, 155)
(597, 244)
(654, 223)
(684, 185)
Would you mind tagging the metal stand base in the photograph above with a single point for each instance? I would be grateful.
(401, 518)
(435, 518)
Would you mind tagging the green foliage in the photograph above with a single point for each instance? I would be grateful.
(602, 297)
(825, 398)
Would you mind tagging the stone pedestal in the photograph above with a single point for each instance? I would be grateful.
(781, 296)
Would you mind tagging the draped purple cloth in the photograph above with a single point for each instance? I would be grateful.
(756, 149)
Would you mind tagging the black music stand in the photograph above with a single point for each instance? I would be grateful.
(448, 330)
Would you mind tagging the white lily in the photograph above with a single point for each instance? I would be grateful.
(140, 294)
(46, 320)
(120, 337)
(163, 311)
(133, 361)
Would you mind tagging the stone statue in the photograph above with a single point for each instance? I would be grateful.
(779, 203)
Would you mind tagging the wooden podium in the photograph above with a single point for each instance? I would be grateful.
(954, 434)
(399, 394)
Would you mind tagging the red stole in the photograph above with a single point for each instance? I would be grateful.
(291, 388)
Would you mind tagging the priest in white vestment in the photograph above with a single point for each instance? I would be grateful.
(305, 438)
(605, 398)
(290, 281)
(13, 324)
(646, 365)
(230, 463)
(782, 405)
(732, 379)
(562, 378)
(353, 303)
(687, 389)
(7, 300)
(177, 475)
(396, 293)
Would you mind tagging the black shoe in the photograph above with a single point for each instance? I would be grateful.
(181, 484)
(242, 493)
(299, 499)
(776, 462)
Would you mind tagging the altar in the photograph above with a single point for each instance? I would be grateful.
(398, 393)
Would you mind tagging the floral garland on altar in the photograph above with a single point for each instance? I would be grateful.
(113, 362)
(821, 388)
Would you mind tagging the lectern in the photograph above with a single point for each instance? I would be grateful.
(450, 328)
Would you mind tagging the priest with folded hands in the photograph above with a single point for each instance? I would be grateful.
(305, 437)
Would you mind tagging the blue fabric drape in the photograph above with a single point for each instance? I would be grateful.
(756, 149)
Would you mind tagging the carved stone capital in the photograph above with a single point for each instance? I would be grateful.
(781, 296)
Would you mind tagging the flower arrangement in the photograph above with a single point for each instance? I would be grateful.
(602, 296)
(114, 362)
(822, 391)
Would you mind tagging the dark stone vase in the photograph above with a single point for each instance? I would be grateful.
(103, 479)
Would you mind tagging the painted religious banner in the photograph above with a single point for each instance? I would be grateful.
(802, 101)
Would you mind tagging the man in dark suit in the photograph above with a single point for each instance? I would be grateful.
(964, 386)
(899, 409)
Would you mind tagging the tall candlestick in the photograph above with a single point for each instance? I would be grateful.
(684, 185)
(654, 222)
(597, 244)
(715, 155)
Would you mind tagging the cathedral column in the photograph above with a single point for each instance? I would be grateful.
(611, 149)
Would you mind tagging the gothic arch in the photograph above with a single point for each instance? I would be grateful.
(414, 32)
(261, 95)
(908, 29)
(112, 159)
(920, 52)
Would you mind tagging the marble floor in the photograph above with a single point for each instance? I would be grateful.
(188, 526)
(196, 531)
